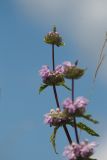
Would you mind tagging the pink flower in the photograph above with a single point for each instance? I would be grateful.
(78, 106)
(72, 151)
(68, 104)
(54, 117)
(44, 72)
(68, 64)
(82, 150)
(59, 69)
(80, 102)
(47, 119)
(87, 149)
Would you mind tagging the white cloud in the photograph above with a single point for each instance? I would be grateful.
(84, 20)
(101, 152)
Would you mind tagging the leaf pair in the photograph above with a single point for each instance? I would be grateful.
(80, 125)
(44, 86)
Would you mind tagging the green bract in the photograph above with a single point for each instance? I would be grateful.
(54, 38)
(61, 118)
(73, 72)
(54, 79)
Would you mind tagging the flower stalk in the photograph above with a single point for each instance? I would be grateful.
(56, 97)
(53, 57)
(75, 125)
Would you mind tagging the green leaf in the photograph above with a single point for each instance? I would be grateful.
(64, 85)
(87, 129)
(62, 44)
(89, 118)
(42, 87)
(53, 137)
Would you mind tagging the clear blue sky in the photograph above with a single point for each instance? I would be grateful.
(23, 24)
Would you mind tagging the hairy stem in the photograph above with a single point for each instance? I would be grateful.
(56, 97)
(75, 125)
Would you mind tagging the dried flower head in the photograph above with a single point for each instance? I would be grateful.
(54, 38)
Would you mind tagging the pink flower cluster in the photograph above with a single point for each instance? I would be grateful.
(67, 65)
(54, 117)
(45, 72)
(60, 69)
(47, 118)
(79, 105)
(83, 150)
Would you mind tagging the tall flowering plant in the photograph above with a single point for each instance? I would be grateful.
(71, 108)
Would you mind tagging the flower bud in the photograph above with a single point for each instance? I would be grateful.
(52, 111)
(58, 110)
(54, 38)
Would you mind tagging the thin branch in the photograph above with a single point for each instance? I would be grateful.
(101, 58)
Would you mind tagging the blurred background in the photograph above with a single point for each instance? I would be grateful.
(23, 24)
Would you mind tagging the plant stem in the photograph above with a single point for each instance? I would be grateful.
(56, 96)
(75, 125)
(53, 57)
(67, 134)
(76, 131)
(64, 126)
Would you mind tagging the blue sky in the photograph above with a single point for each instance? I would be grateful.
(23, 24)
